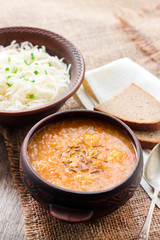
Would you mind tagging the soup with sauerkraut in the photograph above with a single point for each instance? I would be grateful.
(82, 154)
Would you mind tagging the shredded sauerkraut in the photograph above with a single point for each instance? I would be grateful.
(30, 77)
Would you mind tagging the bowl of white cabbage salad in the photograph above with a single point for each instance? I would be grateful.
(39, 71)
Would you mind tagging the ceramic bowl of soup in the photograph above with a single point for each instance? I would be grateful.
(39, 71)
(81, 164)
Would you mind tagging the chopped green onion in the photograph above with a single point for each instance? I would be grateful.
(50, 64)
(32, 56)
(36, 72)
(8, 77)
(25, 61)
(21, 77)
(33, 80)
(9, 84)
(36, 63)
(15, 70)
(31, 96)
(9, 59)
(26, 79)
(6, 69)
(45, 72)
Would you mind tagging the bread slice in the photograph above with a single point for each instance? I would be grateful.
(135, 107)
(148, 139)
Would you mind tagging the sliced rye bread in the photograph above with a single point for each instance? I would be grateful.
(135, 107)
(148, 139)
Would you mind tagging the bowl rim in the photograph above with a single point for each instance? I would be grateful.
(33, 130)
(66, 94)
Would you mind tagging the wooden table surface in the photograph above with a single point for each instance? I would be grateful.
(11, 213)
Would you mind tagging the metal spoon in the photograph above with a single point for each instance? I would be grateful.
(152, 176)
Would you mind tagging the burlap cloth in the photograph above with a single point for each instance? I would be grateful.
(103, 31)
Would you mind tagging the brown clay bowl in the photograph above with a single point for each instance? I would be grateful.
(55, 45)
(74, 206)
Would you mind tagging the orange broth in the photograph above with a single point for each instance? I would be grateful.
(82, 154)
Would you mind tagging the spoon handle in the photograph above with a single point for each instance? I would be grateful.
(143, 235)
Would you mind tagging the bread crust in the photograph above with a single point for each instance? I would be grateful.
(148, 139)
(147, 145)
(137, 125)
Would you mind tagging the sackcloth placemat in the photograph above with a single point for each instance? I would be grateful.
(103, 32)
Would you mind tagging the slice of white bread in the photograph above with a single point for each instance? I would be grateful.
(135, 107)
(148, 139)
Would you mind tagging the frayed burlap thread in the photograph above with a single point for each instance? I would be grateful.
(143, 42)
